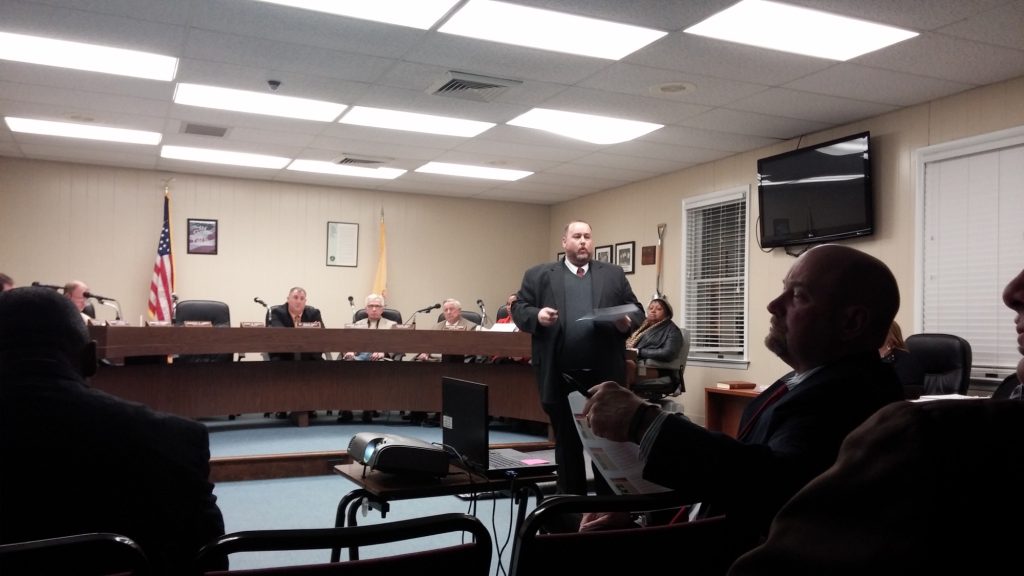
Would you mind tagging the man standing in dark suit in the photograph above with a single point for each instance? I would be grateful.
(75, 460)
(833, 313)
(552, 299)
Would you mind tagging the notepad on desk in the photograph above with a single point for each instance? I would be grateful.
(735, 385)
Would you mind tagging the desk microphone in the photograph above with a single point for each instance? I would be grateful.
(98, 297)
(50, 286)
(428, 308)
(260, 302)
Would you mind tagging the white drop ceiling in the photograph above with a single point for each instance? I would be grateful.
(739, 97)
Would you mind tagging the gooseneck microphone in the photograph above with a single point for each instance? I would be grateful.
(483, 312)
(50, 286)
(260, 302)
(428, 308)
(98, 297)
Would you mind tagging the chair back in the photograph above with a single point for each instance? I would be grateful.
(666, 385)
(501, 313)
(472, 557)
(93, 554)
(1006, 388)
(468, 315)
(389, 313)
(89, 310)
(709, 546)
(946, 362)
(211, 311)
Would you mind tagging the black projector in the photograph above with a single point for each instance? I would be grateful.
(398, 454)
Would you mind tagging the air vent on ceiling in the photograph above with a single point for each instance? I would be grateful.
(471, 86)
(363, 160)
(203, 130)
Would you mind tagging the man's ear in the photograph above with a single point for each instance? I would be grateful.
(88, 359)
(856, 319)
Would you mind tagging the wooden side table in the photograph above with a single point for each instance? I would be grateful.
(724, 408)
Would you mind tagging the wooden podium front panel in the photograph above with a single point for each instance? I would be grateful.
(724, 408)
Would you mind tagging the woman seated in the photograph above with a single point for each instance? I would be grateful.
(658, 338)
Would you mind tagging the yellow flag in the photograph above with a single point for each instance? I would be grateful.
(380, 282)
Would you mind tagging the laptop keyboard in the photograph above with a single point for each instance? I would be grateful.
(496, 460)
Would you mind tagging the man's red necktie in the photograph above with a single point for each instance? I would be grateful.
(757, 413)
(581, 272)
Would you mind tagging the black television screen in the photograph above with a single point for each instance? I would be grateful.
(816, 194)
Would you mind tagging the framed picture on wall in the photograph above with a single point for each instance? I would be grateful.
(603, 254)
(560, 256)
(624, 256)
(202, 236)
(342, 244)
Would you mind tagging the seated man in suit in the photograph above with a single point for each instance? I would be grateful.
(834, 311)
(452, 320)
(119, 466)
(374, 320)
(920, 488)
(288, 315)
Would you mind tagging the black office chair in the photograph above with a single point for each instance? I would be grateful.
(389, 313)
(946, 361)
(471, 316)
(472, 557)
(1006, 388)
(89, 310)
(501, 313)
(92, 554)
(211, 311)
(669, 380)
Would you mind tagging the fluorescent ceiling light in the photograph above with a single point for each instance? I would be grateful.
(87, 131)
(413, 122)
(223, 157)
(256, 102)
(89, 57)
(420, 14)
(548, 30)
(344, 170)
(473, 171)
(799, 30)
(586, 127)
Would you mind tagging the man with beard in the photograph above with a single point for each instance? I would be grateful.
(833, 314)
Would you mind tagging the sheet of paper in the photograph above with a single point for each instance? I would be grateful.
(618, 462)
(610, 314)
(506, 327)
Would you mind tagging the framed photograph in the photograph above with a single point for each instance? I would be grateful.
(624, 256)
(560, 256)
(342, 244)
(603, 254)
(202, 236)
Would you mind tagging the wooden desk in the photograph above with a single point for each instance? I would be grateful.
(379, 488)
(723, 408)
(206, 389)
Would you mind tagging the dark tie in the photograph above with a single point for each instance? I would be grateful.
(776, 394)
(581, 272)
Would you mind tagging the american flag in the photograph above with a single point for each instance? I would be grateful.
(162, 285)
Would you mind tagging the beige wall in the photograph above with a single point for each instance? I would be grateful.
(64, 221)
(68, 221)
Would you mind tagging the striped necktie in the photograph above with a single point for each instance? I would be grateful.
(581, 272)
(776, 394)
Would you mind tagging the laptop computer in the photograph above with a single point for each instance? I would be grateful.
(464, 430)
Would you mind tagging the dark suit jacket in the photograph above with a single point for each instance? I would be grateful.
(75, 460)
(280, 318)
(661, 343)
(749, 479)
(544, 285)
(919, 488)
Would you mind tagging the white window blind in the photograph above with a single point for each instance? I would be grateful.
(972, 245)
(716, 276)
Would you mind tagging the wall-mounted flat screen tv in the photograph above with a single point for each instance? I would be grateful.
(817, 193)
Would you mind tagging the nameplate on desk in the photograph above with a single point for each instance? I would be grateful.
(252, 325)
(200, 323)
(356, 326)
(95, 322)
(118, 323)
(402, 327)
(308, 325)
(157, 323)
(456, 328)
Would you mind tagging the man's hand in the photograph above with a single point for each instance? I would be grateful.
(547, 316)
(624, 324)
(594, 521)
(610, 410)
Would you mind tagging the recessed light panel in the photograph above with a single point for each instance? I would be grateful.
(420, 14)
(256, 102)
(213, 156)
(88, 57)
(86, 131)
(414, 122)
(798, 30)
(586, 127)
(548, 30)
(473, 171)
(323, 167)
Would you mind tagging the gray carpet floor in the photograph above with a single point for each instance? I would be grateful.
(311, 502)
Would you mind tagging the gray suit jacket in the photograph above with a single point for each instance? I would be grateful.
(544, 286)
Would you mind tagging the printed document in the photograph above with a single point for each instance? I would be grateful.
(618, 462)
(610, 314)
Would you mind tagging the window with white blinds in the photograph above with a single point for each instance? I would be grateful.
(715, 286)
(972, 245)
